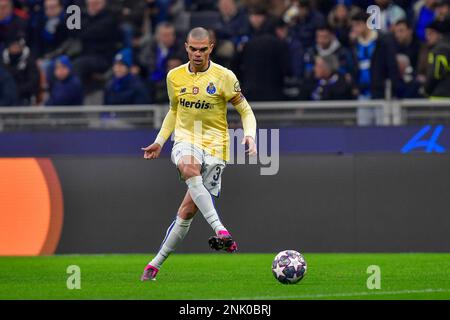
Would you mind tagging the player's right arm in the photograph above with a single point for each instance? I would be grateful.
(167, 127)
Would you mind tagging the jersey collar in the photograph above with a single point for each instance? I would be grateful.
(188, 69)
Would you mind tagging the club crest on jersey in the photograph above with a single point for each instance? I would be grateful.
(195, 90)
(211, 89)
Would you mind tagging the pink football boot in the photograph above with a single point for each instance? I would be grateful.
(150, 273)
(223, 241)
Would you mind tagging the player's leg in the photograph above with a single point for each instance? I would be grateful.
(174, 236)
(189, 168)
(212, 180)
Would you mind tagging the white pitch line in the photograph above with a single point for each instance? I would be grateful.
(350, 294)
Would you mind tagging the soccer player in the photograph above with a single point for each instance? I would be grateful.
(199, 92)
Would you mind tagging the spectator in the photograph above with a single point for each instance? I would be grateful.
(304, 20)
(438, 75)
(228, 31)
(174, 61)
(375, 53)
(153, 58)
(232, 19)
(263, 63)
(131, 19)
(154, 54)
(258, 23)
(18, 61)
(99, 38)
(433, 34)
(299, 29)
(65, 87)
(125, 88)
(424, 15)
(326, 83)
(8, 89)
(407, 43)
(159, 11)
(390, 14)
(295, 49)
(223, 52)
(340, 20)
(50, 30)
(442, 10)
(408, 87)
(327, 44)
(11, 25)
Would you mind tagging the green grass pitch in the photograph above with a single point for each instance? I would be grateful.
(225, 276)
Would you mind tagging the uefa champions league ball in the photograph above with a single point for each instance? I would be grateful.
(289, 267)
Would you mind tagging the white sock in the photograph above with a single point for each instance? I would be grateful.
(174, 235)
(204, 202)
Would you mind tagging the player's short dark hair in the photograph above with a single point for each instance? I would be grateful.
(198, 33)
(360, 16)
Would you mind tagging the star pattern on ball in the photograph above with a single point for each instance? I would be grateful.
(296, 263)
(293, 278)
(279, 271)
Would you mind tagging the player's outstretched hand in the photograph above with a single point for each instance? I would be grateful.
(251, 146)
(152, 151)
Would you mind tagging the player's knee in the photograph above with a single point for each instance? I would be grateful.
(189, 171)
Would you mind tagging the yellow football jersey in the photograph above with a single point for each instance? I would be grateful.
(199, 101)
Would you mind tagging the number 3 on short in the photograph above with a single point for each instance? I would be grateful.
(217, 175)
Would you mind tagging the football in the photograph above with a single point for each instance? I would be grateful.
(289, 267)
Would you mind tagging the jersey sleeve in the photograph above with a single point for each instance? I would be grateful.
(233, 94)
(169, 122)
(231, 86)
(171, 93)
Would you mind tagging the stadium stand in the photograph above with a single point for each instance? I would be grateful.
(405, 59)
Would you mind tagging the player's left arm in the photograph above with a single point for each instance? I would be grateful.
(248, 122)
(237, 99)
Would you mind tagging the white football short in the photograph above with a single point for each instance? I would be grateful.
(211, 167)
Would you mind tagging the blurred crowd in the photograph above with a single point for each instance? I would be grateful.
(279, 49)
